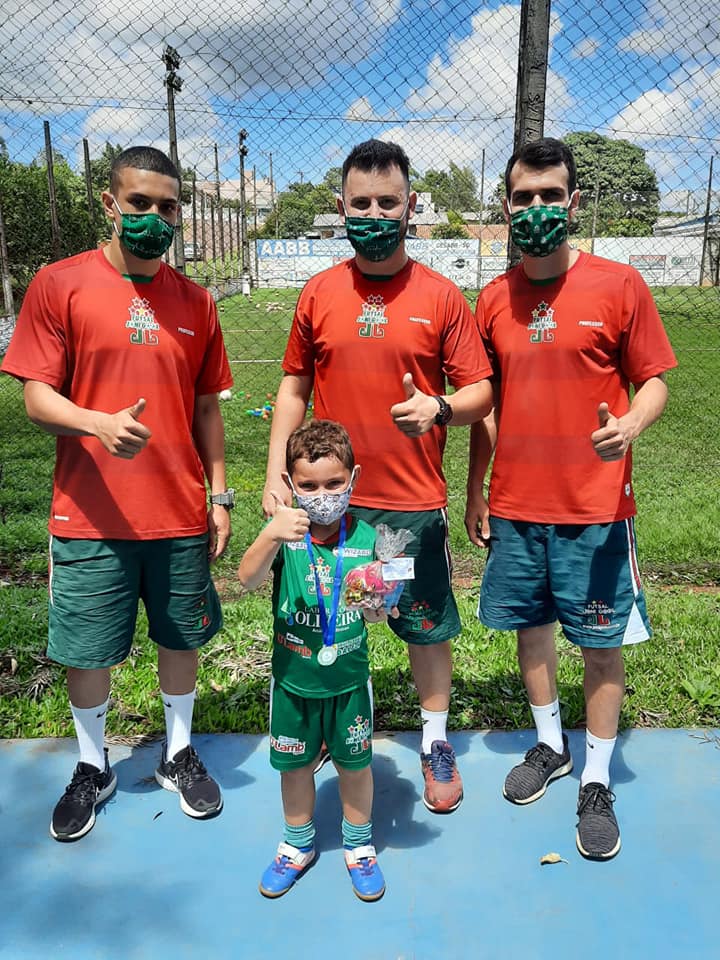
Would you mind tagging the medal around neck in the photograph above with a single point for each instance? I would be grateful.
(327, 656)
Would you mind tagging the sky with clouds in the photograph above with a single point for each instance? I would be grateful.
(310, 78)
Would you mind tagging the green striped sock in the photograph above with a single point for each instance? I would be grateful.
(301, 837)
(356, 834)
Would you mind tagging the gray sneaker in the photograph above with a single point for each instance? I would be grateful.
(528, 780)
(598, 834)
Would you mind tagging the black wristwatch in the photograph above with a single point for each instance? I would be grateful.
(226, 499)
(444, 414)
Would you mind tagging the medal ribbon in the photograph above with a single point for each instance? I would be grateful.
(328, 625)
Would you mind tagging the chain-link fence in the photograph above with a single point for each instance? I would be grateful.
(266, 100)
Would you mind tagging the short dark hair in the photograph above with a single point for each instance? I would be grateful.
(316, 439)
(377, 155)
(539, 154)
(142, 158)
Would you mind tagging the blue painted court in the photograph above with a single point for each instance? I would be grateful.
(149, 882)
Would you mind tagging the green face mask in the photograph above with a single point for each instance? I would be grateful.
(539, 231)
(144, 235)
(374, 238)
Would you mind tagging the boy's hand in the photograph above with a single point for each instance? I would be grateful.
(288, 523)
(380, 615)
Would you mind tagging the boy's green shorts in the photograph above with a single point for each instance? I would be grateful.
(428, 612)
(299, 725)
(95, 586)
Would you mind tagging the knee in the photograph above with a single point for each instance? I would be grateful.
(603, 662)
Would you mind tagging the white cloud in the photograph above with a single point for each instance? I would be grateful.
(586, 48)
(684, 28)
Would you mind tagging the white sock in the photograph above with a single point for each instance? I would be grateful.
(597, 760)
(549, 725)
(434, 727)
(178, 720)
(90, 730)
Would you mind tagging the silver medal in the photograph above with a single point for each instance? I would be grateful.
(327, 656)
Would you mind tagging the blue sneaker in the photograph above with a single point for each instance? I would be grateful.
(365, 873)
(287, 866)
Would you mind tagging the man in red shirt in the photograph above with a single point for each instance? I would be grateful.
(568, 334)
(378, 337)
(121, 358)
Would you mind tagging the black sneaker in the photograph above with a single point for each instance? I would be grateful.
(322, 759)
(186, 774)
(598, 834)
(528, 780)
(74, 815)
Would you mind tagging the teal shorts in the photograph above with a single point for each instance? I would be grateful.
(583, 575)
(299, 726)
(95, 586)
(428, 612)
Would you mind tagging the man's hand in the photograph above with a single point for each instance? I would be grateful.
(477, 520)
(288, 524)
(218, 531)
(611, 441)
(416, 414)
(122, 434)
(270, 498)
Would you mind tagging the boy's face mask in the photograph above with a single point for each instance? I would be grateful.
(324, 508)
(144, 235)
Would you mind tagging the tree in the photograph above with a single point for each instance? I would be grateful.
(454, 229)
(619, 191)
(455, 189)
(333, 179)
(493, 211)
(296, 209)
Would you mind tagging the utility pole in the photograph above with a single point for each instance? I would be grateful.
(6, 281)
(89, 188)
(706, 228)
(242, 153)
(272, 199)
(194, 216)
(173, 83)
(481, 212)
(54, 222)
(219, 205)
(596, 203)
(255, 225)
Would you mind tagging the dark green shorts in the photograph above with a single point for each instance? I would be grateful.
(299, 725)
(95, 586)
(428, 612)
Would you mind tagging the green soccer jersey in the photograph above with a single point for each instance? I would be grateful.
(298, 637)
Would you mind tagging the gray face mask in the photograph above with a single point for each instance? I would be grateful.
(324, 508)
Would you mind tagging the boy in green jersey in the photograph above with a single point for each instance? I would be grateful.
(320, 689)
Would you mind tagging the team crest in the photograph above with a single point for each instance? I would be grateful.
(598, 615)
(323, 572)
(359, 735)
(142, 322)
(542, 325)
(372, 318)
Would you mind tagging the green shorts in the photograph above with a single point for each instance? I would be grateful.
(95, 586)
(583, 575)
(299, 725)
(428, 612)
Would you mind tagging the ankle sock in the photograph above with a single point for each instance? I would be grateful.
(434, 727)
(302, 836)
(597, 760)
(90, 731)
(178, 720)
(549, 725)
(356, 834)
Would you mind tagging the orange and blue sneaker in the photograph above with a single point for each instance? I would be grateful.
(285, 869)
(365, 873)
(443, 784)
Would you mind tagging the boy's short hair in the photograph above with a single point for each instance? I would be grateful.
(376, 155)
(142, 158)
(316, 439)
(539, 154)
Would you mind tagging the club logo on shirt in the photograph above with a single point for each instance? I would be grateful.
(372, 318)
(542, 325)
(359, 739)
(323, 572)
(142, 322)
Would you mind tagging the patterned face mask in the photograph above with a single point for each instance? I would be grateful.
(324, 508)
(375, 238)
(539, 230)
(144, 235)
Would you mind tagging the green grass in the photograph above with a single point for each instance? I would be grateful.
(673, 680)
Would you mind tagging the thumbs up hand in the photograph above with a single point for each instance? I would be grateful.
(288, 523)
(611, 441)
(416, 414)
(122, 433)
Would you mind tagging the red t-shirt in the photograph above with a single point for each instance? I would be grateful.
(103, 341)
(559, 350)
(357, 337)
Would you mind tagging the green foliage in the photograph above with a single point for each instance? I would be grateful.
(449, 231)
(617, 173)
(296, 209)
(493, 212)
(453, 189)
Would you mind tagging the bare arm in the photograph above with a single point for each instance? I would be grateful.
(483, 437)
(290, 406)
(287, 524)
(209, 436)
(613, 438)
(121, 433)
(416, 414)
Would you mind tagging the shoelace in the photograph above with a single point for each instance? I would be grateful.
(192, 769)
(83, 787)
(540, 755)
(598, 797)
(442, 765)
